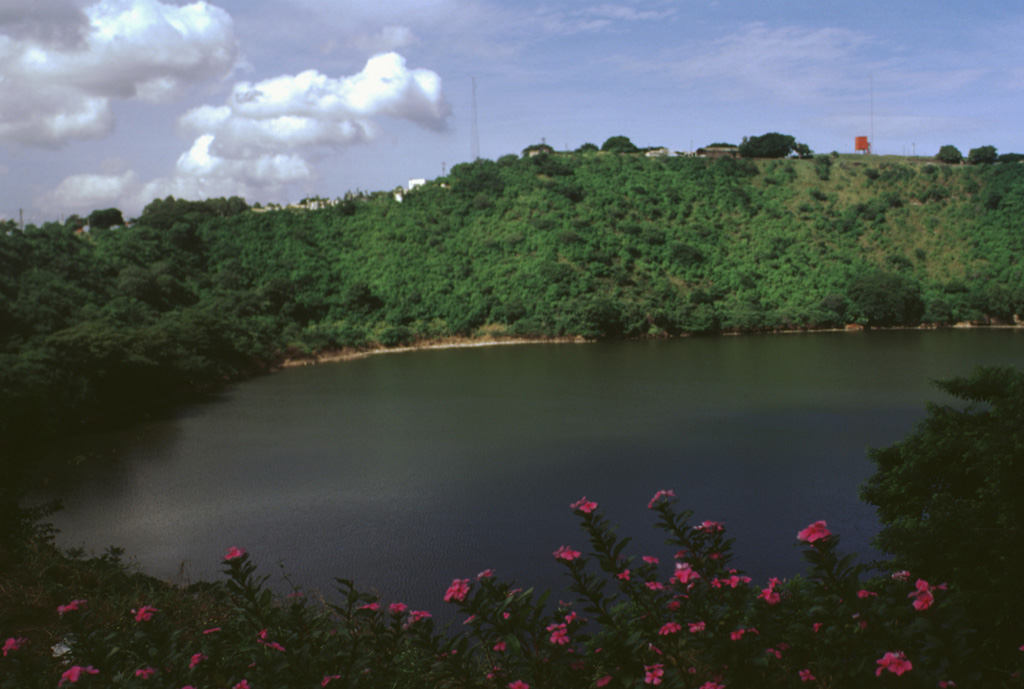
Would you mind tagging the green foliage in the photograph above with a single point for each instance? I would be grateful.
(949, 500)
(982, 155)
(770, 145)
(949, 154)
(823, 167)
(886, 299)
(105, 219)
(619, 144)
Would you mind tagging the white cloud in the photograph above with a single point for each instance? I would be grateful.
(311, 109)
(267, 133)
(55, 91)
(89, 192)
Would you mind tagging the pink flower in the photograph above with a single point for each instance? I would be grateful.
(866, 594)
(373, 607)
(669, 628)
(696, 627)
(737, 635)
(327, 679)
(923, 597)
(712, 685)
(657, 496)
(13, 644)
(458, 591)
(584, 505)
(816, 626)
(499, 647)
(684, 574)
(566, 553)
(559, 634)
(145, 613)
(946, 684)
(145, 673)
(654, 585)
(244, 684)
(902, 575)
(896, 663)
(486, 574)
(770, 595)
(650, 559)
(397, 608)
(735, 580)
(653, 673)
(623, 575)
(806, 676)
(212, 630)
(518, 684)
(74, 605)
(603, 681)
(815, 532)
(417, 615)
(75, 672)
(262, 638)
(234, 553)
(196, 659)
(710, 527)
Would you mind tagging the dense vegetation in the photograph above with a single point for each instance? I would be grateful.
(102, 324)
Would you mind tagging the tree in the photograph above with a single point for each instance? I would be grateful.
(887, 299)
(587, 148)
(803, 151)
(949, 154)
(982, 155)
(949, 499)
(770, 145)
(105, 219)
(619, 144)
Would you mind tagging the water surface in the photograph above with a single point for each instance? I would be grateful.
(405, 471)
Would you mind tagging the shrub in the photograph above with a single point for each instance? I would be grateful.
(633, 621)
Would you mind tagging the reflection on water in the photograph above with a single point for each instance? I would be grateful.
(403, 472)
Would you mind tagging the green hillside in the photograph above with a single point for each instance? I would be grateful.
(96, 326)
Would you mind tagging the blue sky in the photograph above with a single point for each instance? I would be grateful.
(114, 102)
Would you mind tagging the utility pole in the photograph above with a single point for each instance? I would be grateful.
(474, 144)
(872, 83)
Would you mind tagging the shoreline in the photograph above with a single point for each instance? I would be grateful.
(460, 342)
(349, 354)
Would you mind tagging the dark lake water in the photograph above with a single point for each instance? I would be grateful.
(405, 471)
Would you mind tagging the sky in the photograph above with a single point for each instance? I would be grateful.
(112, 103)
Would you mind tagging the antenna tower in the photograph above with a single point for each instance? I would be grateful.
(474, 144)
